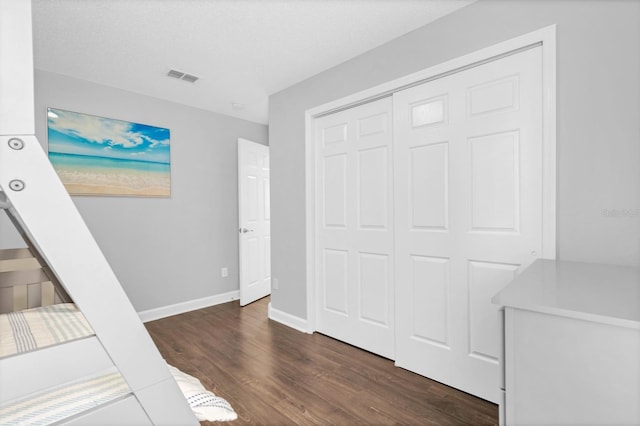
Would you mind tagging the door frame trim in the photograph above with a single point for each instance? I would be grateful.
(544, 37)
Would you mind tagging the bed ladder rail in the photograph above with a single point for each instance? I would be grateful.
(42, 208)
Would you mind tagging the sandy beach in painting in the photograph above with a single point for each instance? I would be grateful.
(86, 175)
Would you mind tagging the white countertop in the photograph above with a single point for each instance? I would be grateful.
(603, 293)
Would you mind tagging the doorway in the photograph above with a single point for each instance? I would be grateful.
(254, 221)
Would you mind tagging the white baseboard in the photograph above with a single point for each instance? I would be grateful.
(289, 320)
(191, 305)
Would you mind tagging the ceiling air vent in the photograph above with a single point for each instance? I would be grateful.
(175, 74)
(190, 78)
(182, 76)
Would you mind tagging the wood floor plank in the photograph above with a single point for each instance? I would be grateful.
(274, 375)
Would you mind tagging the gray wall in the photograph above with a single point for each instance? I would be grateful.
(598, 135)
(163, 250)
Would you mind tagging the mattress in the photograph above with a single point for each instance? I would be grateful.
(64, 402)
(37, 328)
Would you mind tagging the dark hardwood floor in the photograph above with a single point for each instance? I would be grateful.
(274, 375)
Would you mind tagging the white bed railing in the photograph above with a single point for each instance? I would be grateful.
(41, 208)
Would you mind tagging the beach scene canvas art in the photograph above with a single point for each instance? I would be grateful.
(102, 156)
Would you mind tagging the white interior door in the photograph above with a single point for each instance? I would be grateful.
(254, 231)
(354, 244)
(468, 213)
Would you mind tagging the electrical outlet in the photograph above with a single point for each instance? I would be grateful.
(225, 272)
(274, 283)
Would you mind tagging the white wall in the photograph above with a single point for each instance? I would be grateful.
(598, 136)
(163, 250)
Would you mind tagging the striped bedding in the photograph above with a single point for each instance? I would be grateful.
(40, 327)
(64, 402)
(49, 325)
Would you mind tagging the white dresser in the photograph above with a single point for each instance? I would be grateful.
(571, 334)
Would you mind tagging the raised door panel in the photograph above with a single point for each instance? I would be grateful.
(252, 261)
(336, 280)
(335, 191)
(334, 135)
(373, 177)
(377, 124)
(251, 199)
(485, 281)
(428, 186)
(430, 300)
(494, 96)
(374, 288)
(494, 186)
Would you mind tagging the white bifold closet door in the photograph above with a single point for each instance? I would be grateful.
(427, 205)
(354, 211)
(468, 214)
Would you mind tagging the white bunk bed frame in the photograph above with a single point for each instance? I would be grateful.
(39, 205)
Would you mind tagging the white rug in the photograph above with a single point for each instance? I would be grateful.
(205, 405)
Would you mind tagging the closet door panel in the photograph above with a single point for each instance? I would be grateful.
(354, 240)
(468, 206)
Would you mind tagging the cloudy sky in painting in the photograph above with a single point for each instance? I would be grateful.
(82, 134)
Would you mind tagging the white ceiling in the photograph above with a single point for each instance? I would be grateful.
(242, 50)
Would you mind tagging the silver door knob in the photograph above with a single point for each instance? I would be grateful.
(245, 230)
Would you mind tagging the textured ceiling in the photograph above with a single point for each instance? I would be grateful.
(242, 50)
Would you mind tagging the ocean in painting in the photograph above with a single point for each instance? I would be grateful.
(84, 174)
(103, 156)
